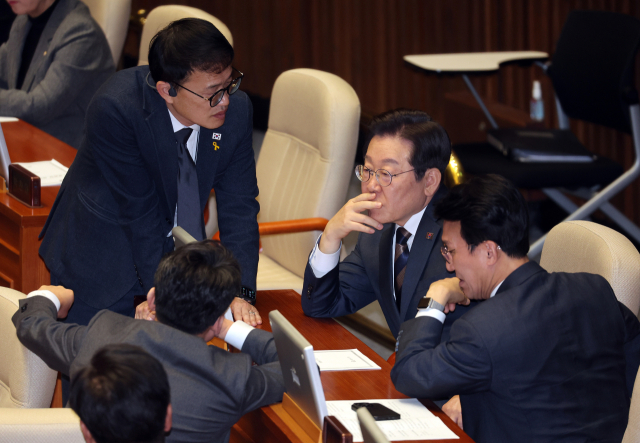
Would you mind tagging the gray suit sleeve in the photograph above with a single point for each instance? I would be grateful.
(426, 369)
(342, 291)
(74, 63)
(56, 343)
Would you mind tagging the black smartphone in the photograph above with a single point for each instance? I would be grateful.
(378, 411)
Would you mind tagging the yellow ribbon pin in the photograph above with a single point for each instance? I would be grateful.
(215, 146)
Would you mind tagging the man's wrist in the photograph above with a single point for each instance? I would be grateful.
(48, 294)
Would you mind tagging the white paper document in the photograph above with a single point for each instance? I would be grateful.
(8, 119)
(51, 172)
(416, 422)
(343, 360)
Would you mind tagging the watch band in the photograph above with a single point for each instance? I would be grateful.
(248, 295)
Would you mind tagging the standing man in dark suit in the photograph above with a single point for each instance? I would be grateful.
(546, 357)
(55, 59)
(157, 140)
(210, 387)
(397, 254)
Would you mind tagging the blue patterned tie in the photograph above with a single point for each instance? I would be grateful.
(400, 262)
(189, 213)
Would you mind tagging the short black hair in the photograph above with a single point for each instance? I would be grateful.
(430, 142)
(122, 395)
(488, 207)
(195, 284)
(187, 45)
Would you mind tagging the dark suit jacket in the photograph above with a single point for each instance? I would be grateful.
(72, 60)
(210, 388)
(548, 358)
(108, 226)
(366, 275)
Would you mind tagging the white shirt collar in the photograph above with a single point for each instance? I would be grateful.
(412, 224)
(178, 126)
(496, 289)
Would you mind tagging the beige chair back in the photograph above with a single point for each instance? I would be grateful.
(306, 159)
(161, 16)
(583, 246)
(113, 18)
(25, 380)
(60, 425)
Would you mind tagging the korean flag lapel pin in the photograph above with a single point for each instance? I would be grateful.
(429, 235)
(216, 136)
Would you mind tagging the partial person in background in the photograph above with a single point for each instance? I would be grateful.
(210, 387)
(6, 19)
(122, 395)
(546, 356)
(56, 58)
(397, 255)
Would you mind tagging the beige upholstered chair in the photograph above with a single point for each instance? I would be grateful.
(60, 425)
(161, 16)
(113, 18)
(305, 164)
(25, 380)
(582, 246)
(632, 434)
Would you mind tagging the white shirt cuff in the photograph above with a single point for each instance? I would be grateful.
(430, 312)
(322, 263)
(47, 294)
(237, 334)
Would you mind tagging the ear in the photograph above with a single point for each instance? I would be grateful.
(168, 421)
(432, 178)
(163, 90)
(490, 250)
(85, 433)
(151, 299)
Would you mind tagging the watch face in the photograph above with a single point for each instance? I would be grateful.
(424, 303)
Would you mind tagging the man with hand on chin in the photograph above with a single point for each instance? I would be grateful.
(546, 357)
(210, 387)
(397, 254)
(158, 139)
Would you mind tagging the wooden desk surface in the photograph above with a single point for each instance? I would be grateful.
(323, 334)
(21, 267)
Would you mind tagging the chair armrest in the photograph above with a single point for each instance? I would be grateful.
(288, 226)
(471, 62)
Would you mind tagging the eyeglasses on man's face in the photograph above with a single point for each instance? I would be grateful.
(446, 253)
(219, 95)
(383, 176)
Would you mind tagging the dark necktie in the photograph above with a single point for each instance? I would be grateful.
(400, 262)
(189, 213)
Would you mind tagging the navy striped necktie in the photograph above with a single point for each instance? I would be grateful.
(400, 262)
(189, 213)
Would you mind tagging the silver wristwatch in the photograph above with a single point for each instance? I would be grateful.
(428, 302)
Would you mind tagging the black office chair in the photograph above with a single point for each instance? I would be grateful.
(592, 75)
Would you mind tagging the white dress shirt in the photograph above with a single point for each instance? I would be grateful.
(322, 263)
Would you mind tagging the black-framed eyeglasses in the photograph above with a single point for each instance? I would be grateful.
(219, 95)
(446, 253)
(383, 176)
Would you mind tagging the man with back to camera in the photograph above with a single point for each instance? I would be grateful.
(396, 257)
(546, 357)
(158, 139)
(122, 395)
(194, 285)
(55, 59)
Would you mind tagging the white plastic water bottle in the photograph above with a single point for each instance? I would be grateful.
(537, 104)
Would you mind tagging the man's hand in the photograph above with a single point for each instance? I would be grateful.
(144, 313)
(242, 310)
(447, 292)
(64, 296)
(453, 409)
(349, 218)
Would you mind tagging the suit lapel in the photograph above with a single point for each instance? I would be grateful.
(164, 142)
(21, 27)
(420, 252)
(208, 157)
(41, 53)
(387, 300)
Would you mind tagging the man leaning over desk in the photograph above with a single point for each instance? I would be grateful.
(158, 139)
(210, 387)
(546, 356)
(397, 254)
